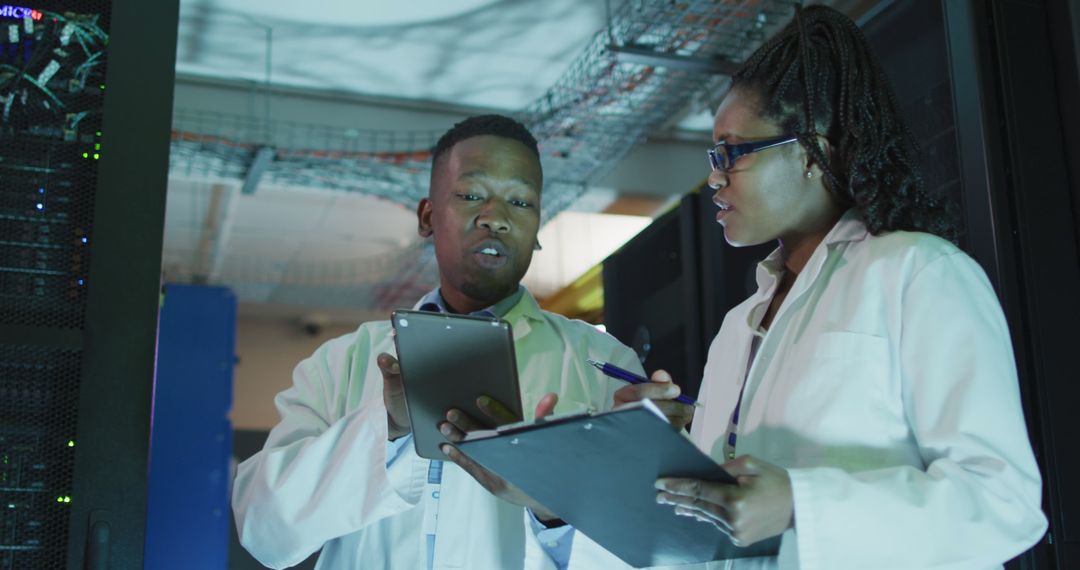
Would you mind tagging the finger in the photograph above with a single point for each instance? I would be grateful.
(625, 395)
(388, 365)
(702, 516)
(698, 507)
(676, 410)
(451, 432)
(661, 376)
(463, 421)
(546, 405)
(489, 480)
(391, 373)
(650, 391)
(710, 491)
(495, 410)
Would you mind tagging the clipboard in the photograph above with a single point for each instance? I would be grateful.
(597, 471)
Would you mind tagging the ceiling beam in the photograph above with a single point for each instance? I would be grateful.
(651, 57)
(216, 232)
(337, 96)
(258, 167)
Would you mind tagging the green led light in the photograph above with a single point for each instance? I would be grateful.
(67, 499)
(99, 133)
(96, 156)
(97, 146)
(71, 443)
(86, 155)
(102, 86)
(59, 499)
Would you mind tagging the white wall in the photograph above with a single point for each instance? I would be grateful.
(268, 350)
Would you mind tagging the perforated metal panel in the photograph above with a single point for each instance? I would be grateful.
(52, 87)
(38, 398)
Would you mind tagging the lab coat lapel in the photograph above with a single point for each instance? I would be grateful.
(828, 252)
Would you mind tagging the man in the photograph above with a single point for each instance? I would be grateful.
(339, 471)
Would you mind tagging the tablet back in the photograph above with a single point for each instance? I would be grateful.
(447, 361)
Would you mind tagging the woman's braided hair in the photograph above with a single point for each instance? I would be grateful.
(819, 76)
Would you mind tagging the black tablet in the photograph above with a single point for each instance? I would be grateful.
(448, 361)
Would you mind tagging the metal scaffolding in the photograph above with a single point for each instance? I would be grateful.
(654, 59)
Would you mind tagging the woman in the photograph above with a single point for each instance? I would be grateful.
(866, 396)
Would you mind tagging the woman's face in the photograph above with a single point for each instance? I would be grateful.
(766, 195)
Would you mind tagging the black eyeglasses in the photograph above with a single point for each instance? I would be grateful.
(723, 155)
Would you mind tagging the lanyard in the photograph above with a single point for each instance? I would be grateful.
(733, 425)
(431, 508)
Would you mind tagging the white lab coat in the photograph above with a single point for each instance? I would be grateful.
(886, 386)
(321, 480)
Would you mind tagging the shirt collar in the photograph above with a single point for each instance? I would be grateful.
(849, 227)
(433, 301)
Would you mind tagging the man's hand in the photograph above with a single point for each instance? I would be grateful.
(760, 506)
(459, 423)
(397, 414)
(662, 391)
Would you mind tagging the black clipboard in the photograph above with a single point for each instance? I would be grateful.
(596, 471)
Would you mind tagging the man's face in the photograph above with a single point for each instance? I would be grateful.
(484, 212)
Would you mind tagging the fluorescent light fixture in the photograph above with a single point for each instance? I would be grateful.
(258, 167)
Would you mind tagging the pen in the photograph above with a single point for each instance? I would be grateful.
(627, 376)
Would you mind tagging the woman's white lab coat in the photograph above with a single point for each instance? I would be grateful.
(886, 386)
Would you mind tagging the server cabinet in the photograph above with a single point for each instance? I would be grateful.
(85, 102)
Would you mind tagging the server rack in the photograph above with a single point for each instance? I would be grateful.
(1013, 160)
(666, 291)
(85, 102)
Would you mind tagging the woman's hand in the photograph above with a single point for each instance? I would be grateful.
(760, 506)
(662, 391)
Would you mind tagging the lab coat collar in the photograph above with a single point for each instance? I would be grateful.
(848, 228)
(524, 314)
(524, 311)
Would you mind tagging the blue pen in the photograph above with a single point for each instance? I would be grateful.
(627, 376)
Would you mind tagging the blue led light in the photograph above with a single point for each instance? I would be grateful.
(81, 282)
(40, 206)
(84, 240)
(41, 190)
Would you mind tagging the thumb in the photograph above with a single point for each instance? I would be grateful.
(743, 465)
(391, 371)
(546, 405)
(388, 364)
(662, 377)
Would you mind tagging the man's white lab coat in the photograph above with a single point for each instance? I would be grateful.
(321, 481)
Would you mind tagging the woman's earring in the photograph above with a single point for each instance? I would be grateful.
(809, 174)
